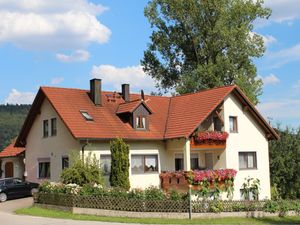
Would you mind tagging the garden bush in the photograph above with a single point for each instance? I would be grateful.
(83, 172)
(119, 176)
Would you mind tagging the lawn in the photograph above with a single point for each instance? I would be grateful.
(35, 211)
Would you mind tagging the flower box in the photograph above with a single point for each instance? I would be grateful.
(209, 140)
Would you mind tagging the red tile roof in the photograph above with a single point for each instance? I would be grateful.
(172, 117)
(131, 106)
(11, 151)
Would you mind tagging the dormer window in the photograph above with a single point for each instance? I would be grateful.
(86, 116)
(136, 113)
(140, 122)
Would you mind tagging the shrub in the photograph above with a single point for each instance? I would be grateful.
(119, 176)
(83, 172)
(216, 206)
(153, 193)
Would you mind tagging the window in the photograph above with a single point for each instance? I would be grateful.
(144, 163)
(233, 124)
(250, 197)
(53, 127)
(86, 115)
(45, 128)
(247, 160)
(179, 161)
(179, 164)
(194, 161)
(44, 169)
(105, 163)
(140, 122)
(65, 162)
(217, 124)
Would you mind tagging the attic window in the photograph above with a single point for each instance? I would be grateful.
(86, 116)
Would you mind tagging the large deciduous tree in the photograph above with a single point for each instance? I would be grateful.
(285, 163)
(201, 44)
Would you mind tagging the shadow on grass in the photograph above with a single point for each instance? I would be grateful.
(279, 220)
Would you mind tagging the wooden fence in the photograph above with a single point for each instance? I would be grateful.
(144, 205)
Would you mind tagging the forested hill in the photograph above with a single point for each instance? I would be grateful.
(11, 121)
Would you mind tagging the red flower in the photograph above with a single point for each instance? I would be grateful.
(212, 136)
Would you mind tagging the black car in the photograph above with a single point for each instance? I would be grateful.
(16, 188)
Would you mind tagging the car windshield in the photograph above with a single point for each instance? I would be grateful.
(1, 182)
(17, 181)
(8, 181)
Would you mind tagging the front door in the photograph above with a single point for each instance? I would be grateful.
(9, 169)
(209, 161)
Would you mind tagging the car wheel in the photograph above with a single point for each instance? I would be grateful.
(33, 191)
(3, 197)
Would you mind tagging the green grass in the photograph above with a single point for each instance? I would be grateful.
(35, 211)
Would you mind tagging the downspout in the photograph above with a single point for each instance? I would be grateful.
(83, 148)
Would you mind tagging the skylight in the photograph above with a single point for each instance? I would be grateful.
(86, 116)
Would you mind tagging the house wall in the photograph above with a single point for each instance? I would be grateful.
(51, 147)
(143, 180)
(18, 166)
(250, 137)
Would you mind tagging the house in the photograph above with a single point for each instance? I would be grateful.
(12, 161)
(161, 132)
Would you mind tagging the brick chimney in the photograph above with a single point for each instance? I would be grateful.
(95, 91)
(125, 92)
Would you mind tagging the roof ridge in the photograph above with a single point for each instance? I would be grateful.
(232, 85)
(168, 113)
(136, 100)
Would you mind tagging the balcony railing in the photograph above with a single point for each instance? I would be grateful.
(180, 180)
(209, 140)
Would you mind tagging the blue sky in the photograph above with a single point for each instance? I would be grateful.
(66, 43)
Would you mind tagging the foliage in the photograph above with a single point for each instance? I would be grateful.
(119, 176)
(285, 163)
(216, 206)
(281, 206)
(250, 186)
(83, 172)
(153, 193)
(197, 45)
(11, 121)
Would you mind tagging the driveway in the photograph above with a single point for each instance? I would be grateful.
(8, 217)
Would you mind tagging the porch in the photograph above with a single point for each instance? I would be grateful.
(204, 151)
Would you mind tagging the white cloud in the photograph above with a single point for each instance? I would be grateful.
(270, 80)
(297, 85)
(280, 109)
(16, 97)
(284, 10)
(268, 39)
(44, 24)
(57, 80)
(76, 56)
(284, 56)
(134, 75)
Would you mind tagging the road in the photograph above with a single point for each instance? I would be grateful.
(7, 216)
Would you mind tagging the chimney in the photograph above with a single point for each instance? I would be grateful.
(95, 91)
(125, 92)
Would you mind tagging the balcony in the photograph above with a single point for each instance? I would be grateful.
(209, 140)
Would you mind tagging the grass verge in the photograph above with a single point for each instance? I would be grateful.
(36, 211)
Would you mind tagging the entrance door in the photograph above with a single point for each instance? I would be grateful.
(9, 169)
(209, 161)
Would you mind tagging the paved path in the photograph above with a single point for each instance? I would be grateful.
(7, 216)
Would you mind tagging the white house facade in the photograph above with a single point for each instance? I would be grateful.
(161, 133)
